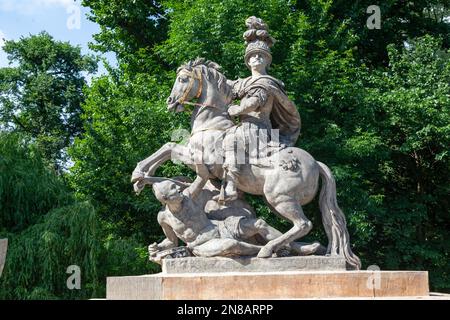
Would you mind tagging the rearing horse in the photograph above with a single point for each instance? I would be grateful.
(286, 188)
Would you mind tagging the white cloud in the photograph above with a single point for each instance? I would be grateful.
(32, 6)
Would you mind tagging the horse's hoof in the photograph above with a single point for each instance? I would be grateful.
(137, 175)
(265, 253)
(283, 252)
(138, 187)
(319, 249)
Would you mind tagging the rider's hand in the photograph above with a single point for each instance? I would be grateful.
(233, 110)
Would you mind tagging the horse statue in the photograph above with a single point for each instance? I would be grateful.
(287, 180)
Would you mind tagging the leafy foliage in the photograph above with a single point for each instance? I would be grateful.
(28, 190)
(48, 231)
(41, 93)
(129, 29)
(412, 103)
(400, 22)
(39, 256)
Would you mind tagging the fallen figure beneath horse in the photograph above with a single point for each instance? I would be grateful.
(183, 217)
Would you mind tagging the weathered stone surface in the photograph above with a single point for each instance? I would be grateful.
(3, 248)
(280, 285)
(246, 264)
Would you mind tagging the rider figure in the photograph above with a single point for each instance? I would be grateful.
(264, 106)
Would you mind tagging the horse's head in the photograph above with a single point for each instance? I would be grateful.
(188, 85)
(193, 80)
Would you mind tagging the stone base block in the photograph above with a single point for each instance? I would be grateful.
(267, 285)
(3, 248)
(221, 264)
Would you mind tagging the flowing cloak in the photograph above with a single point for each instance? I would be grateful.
(284, 115)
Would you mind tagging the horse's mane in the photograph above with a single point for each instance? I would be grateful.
(211, 71)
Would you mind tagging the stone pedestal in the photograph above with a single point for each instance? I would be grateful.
(245, 264)
(262, 285)
(247, 281)
(3, 248)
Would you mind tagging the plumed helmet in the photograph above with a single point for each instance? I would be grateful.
(257, 39)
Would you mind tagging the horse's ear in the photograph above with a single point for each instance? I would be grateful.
(198, 61)
(211, 64)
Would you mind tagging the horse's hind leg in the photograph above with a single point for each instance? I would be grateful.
(292, 211)
(252, 227)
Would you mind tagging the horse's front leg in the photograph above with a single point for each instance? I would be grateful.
(169, 151)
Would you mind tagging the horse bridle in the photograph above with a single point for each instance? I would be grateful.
(193, 75)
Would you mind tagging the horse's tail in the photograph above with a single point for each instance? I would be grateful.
(334, 220)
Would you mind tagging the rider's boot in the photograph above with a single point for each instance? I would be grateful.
(228, 191)
(231, 169)
(231, 193)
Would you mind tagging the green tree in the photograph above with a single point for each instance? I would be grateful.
(42, 91)
(130, 29)
(400, 20)
(47, 229)
(26, 195)
(412, 106)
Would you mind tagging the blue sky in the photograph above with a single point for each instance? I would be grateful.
(63, 19)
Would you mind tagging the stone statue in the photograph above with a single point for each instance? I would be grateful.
(3, 248)
(183, 217)
(287, 177)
